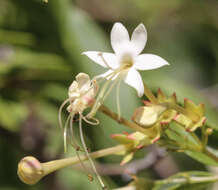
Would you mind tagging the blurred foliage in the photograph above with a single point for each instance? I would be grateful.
(180, 181)
(40, 53)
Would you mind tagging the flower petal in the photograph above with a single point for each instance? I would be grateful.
(119, 38)
(149, 61)
(107, 75)
(83, 82)
(73, 90)
(108, 60)
(134, 79)
(139, 38)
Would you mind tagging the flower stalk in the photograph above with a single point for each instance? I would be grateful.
(30, 170)
(150, 95)
(190, 180)
(205, 134)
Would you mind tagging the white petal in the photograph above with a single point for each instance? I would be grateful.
(149, 61)
(108, 60)
(107, 75)
(119, 37)
(73, 90)
(134, 79)
(139, 38)
(83, 82)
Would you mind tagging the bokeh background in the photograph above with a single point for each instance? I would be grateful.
(40, 54)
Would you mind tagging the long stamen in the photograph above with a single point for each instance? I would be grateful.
(105, 62)
(101, 95)
(99, 101)
(71, 136)
(109, 90)
(75, 144)
(96, 121)
(100, 79)
(118, 99)
(60, 111)
(87, 153)
(65, 133)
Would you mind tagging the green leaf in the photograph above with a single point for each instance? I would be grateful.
(48, 112)
(17, 38)
(33, 65)
(194, 186)
(212, 150)
(185, 180)
(12, 114)
(142, 183)
(55, 92)
(202, 157)
(170, 186)
(74, 25)
(184, 139)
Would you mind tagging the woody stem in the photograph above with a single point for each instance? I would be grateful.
(121, 120)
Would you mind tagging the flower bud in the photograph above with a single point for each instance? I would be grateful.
(147, 115)
(209, 131)
(30, 170)
(129, 187)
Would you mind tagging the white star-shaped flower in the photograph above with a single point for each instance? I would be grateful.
(127, 59)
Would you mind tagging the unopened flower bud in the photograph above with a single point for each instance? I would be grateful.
(130, 187)
(30, 170)
(147, 115)
(209, 131)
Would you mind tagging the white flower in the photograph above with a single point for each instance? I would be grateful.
(127, 59)
(81, 93)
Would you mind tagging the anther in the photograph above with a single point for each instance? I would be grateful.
(90, 177)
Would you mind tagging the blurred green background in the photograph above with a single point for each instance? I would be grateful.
(40, 54)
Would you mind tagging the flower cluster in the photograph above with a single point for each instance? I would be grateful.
(156, 118)
(161, 119)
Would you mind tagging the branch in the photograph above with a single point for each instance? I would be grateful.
(121, 120)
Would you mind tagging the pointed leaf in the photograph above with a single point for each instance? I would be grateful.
(202, 157)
